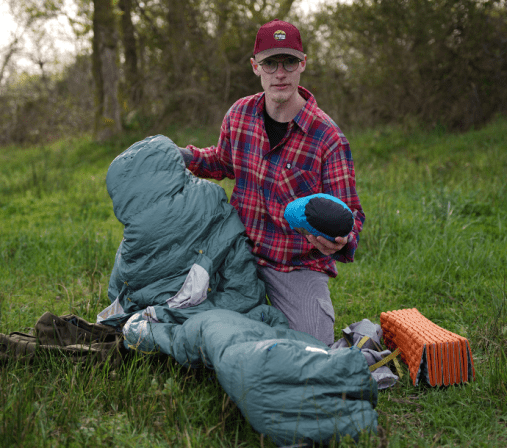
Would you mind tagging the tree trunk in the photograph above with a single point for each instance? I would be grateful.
(105, 71)
(133, 79)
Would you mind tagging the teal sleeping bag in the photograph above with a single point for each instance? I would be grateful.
(185, 284)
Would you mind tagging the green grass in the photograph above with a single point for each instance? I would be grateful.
(435, 238)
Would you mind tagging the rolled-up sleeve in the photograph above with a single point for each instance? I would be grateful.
(338, 180)
(214, 162)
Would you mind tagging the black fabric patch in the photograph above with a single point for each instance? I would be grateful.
(276, 130)
(329, 217)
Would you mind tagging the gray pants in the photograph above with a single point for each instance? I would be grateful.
(303, 296)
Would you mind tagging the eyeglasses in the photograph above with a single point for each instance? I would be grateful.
(271, 65)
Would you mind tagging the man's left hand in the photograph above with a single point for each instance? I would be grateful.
(325, 246)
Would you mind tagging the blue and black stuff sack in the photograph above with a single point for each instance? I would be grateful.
(320, 214)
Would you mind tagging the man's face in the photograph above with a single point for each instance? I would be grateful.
(281, 85)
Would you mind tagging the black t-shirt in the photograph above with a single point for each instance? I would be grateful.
(275, 130)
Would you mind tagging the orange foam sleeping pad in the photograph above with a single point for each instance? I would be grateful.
(432, 353)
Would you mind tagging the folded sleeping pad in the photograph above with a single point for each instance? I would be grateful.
(433, 354)
(184, 283)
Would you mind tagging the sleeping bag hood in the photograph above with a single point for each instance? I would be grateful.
(183, 245)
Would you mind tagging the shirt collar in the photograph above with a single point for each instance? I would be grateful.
(304, 118)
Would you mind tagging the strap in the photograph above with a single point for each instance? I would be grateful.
(362, 341)
(133, 347)
(385, 360)
(398, 367)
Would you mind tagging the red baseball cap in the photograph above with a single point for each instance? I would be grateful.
(278, 37)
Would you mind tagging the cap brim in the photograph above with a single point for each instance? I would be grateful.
(274, 51)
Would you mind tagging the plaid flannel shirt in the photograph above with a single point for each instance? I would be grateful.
(313, 157)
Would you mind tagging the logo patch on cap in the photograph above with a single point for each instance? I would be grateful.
(279, 35)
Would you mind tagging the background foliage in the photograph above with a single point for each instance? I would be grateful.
(437, 63)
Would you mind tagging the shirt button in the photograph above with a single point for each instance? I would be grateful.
(257, 244)
(288, 166)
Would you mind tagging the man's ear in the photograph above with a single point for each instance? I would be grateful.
(303, 64)
(255, 66)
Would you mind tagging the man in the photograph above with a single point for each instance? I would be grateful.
(280, 146)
